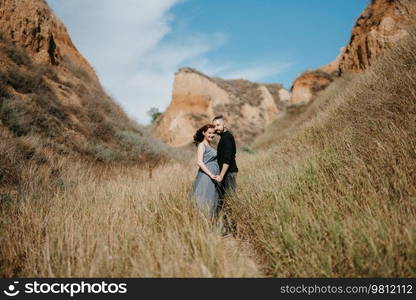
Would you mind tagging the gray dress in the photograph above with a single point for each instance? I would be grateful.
(205, 189)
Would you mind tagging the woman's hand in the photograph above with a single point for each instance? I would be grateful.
(214, 177)
(219, 178)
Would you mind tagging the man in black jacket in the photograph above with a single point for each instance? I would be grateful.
(226, 151)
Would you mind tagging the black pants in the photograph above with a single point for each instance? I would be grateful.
(229, 184)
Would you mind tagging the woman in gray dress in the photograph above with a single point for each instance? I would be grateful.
(205, 187)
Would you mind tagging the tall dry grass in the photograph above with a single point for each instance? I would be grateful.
(117, 222)
(333, 193)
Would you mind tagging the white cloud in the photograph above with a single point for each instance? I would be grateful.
(125, 41)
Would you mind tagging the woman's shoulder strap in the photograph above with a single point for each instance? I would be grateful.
(201, 145)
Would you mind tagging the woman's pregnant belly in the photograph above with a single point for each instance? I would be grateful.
(213, 167)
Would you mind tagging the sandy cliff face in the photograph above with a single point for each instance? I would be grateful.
(32, 26)
(310, 83)
(197, 98)
(382, 24)
(48, 91)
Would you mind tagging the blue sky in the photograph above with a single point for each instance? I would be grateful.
(136, 45)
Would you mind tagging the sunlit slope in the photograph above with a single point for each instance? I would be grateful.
(331, 190)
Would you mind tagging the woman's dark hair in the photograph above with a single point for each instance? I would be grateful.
(199, 134)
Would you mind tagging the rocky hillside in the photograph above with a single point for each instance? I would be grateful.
(310, 83)
(382, 24)
(36, 30)
(48, 89)
(51, 101)
(249, 107)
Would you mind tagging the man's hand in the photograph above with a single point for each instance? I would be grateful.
(223, 171)
(219, 178)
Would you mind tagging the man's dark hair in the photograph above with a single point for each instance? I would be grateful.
(218, 117)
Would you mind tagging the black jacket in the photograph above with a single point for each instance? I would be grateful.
(226, 151)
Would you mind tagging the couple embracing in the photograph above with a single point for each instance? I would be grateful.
(217, 167)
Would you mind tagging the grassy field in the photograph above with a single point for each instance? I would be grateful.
(334, 194)
(330, 190)
(119, 223)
